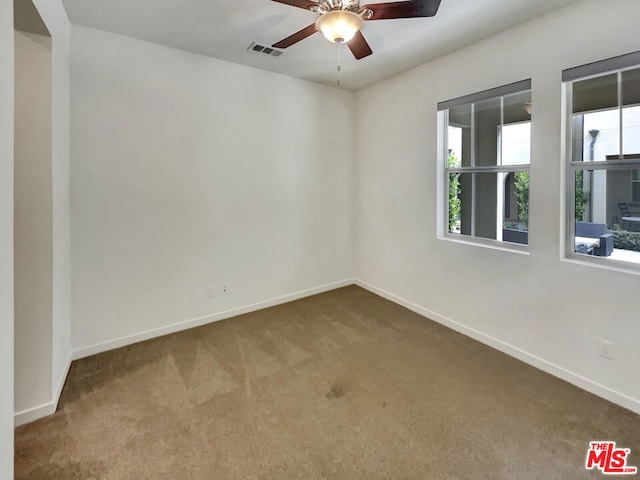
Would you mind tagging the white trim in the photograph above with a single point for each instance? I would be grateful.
(32, 414)
(63, 378)
(196, 322)
(523, 167)
(567, 181)
(533, 360)
(604, 263)
(618, 398)
(442, 185)
(486, 243)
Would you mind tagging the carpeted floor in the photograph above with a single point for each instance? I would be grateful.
(343, 385)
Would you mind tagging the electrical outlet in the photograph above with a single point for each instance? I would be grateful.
(606, 349)
(225, 290)
(212, 291)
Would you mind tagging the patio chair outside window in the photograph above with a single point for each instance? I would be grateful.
(628, 220)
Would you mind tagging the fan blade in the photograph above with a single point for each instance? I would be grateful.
(296, 37)
(306, 4)
(359, 46)
(406, 9)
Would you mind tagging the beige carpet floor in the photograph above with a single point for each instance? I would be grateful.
(343, 385)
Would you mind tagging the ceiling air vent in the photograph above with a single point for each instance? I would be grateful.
(256, 47)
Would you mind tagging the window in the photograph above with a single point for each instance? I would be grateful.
(487, 150)
(603, 180)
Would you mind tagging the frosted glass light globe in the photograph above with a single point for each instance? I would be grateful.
(339, 26)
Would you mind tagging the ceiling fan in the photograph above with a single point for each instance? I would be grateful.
(340, 21)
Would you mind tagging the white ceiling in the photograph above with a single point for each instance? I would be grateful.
(224, 29)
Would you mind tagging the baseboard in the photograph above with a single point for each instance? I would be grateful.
(618, 398)
(32, 414)
(537, 362)
(196, 322)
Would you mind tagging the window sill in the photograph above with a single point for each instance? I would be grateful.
(487, 243)
(603, 263)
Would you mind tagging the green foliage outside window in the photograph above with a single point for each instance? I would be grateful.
(522, 194)
(625, 240)
(580, 197)
(454, 193)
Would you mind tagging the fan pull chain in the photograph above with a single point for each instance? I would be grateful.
(339, 65)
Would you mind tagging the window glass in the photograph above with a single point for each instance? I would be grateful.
(600, 93)
(603, 187)
(487, 116)
(631, 87)
(600, 135)
(517, 107)
(460, 130)
(487, 166)
(606, 214)
(516, 144)
(596, 121)
(631, 131)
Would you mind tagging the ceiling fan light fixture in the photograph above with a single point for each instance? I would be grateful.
(339, 26)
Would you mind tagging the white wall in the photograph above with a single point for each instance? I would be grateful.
(33, 222)
(547, 311)
(189, 171)
(6, 239)
(34, 405)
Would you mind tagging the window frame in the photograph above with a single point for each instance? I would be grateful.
(615, 65)
(444, 170)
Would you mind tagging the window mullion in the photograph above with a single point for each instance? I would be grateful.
(499, 162)
(608, 165)
(620, 117)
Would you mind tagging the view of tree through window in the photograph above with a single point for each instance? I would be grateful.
(487, 167)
